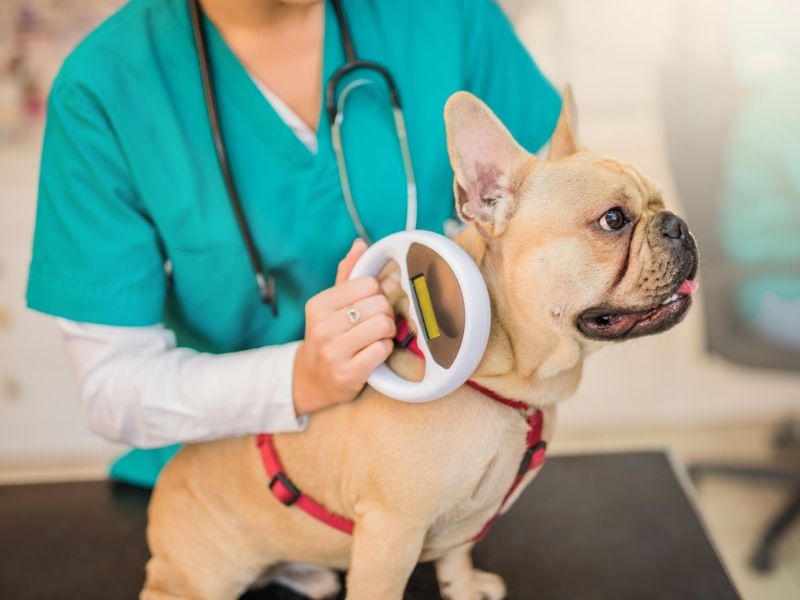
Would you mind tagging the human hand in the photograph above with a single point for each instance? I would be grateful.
(337, 356)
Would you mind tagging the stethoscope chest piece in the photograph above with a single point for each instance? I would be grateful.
(448, 304)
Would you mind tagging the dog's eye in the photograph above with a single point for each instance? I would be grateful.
(613, 220)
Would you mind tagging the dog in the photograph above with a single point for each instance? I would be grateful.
(577, 251)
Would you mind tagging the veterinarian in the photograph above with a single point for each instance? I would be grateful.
(139, 252)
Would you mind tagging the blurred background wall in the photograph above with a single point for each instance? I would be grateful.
(660, 84)
(702, 95)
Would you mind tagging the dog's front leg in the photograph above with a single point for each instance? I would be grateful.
(384, 552)
(458, 580)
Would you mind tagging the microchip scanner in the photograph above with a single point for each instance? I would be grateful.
(448, 304)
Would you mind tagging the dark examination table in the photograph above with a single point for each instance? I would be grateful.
(609, 526)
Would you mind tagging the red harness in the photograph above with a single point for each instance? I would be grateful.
(289, 494)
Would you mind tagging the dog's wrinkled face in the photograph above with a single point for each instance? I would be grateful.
(631, 263)
(583, 242)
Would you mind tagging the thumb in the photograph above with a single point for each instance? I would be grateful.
(349, 261)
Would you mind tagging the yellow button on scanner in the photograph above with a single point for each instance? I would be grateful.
(426, 307)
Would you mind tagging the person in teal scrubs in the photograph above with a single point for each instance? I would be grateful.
(134, 229)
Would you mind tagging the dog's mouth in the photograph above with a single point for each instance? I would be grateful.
(604, 323)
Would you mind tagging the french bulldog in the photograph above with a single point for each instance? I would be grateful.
(577, 250)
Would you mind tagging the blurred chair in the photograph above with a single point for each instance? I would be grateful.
(700, 102)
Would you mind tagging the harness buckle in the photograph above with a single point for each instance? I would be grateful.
(527, 458)
(294, 492)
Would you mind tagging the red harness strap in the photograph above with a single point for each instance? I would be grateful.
(284, 490)
(288, 493)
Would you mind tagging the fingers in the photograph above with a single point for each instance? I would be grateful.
(339, 322)
(349, 261)
(338, 355)
(376, 328)
(368, 307)
(343, 295)
(367, 359)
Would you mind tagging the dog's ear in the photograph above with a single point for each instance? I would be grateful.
(564, 140)
(483, 155)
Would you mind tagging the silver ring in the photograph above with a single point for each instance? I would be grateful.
(353, 315)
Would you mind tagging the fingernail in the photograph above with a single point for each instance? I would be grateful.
(358, 242)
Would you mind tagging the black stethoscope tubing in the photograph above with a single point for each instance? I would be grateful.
(265, 279)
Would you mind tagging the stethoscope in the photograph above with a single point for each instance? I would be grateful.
(335, 110)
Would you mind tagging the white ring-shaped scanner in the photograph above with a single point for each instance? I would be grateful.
(437, 381)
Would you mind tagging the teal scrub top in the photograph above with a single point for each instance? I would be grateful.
(129, 178)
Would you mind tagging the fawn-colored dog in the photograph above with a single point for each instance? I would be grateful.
(576, 250)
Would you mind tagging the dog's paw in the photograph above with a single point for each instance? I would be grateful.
(480, 586)
(316, 583)
(488, 585)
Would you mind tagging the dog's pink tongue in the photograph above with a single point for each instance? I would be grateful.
(688, 287)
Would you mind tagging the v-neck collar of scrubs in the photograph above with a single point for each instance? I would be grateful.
(231, 76)
(299, 127)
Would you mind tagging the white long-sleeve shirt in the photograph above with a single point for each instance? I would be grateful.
(136, 387)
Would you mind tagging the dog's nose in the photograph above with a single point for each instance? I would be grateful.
(673, 227)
